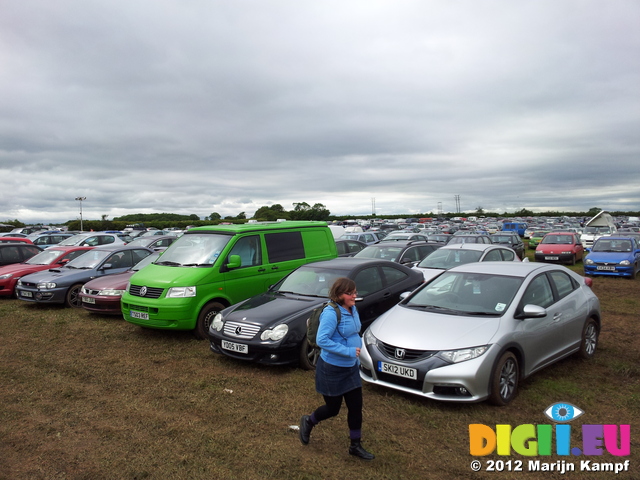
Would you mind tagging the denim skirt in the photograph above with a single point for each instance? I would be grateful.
(334, 381)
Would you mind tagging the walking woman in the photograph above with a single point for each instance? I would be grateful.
(337, 375)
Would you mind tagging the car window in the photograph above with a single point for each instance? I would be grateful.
(393, 275)
(342, 248)
(10, 255)
(563, 282)
(493, 256)
(411, 255)
(248, 248)
(71, 255)
(106, 239)
(120, 260)
(368, 281)
(354, 247)
(139, 254)
(538, 292)
(507, 255)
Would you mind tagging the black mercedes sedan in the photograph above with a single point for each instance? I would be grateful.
(271, 327)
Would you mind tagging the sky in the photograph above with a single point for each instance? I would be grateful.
(365, 106)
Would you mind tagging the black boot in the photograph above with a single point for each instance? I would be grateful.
(305, 429)
(357, 450)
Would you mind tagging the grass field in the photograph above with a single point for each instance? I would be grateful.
(93, 397)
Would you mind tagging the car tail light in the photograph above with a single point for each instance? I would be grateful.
(588, 281)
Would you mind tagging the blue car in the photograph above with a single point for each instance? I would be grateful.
(63, 284)
(617, 256)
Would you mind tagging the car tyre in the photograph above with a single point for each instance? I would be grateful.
(205, 318)
(308, 355)
(573, 259)
(504, 383)
(72, 299)
(589, 342)
(634, 272)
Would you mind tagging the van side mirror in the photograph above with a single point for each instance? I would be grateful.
(234, 262)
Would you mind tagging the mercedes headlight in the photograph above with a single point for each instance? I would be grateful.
(217, 323)
(276, 333)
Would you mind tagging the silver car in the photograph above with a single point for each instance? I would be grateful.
(475, 331)
(453, 255)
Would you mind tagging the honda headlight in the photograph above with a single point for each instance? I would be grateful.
(464, 354)
(181, 292)
(46, 285)
(369, 338)
(217, 323)
(276, 333)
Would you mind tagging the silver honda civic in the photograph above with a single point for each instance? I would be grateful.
(474, 332)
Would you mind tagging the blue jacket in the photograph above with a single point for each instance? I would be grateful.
(338, 345)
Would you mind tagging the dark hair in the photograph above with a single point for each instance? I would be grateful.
(340, 286)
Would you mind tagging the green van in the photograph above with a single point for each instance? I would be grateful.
(210, 268)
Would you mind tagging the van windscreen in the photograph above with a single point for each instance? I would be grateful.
(195, 249)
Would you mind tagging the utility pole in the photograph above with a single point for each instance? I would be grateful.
(373, 206)
(80, 199)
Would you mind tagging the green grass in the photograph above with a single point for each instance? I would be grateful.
(92, 397)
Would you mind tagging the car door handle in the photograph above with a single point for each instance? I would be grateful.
(556, 317)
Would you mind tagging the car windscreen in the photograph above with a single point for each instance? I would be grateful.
(89, 260)
(73, 240)
(44, 258)
(390, 253)
(468, 293)
(606, 245)
(445, 259)
(309, 280)
(557, 239)
(198, 249)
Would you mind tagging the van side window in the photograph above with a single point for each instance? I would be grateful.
(249, 250)
(284, 246)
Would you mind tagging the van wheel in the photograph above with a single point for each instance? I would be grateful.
(308, 355)
(205, 318)
(72, 298)
(504, 383)
(589, 341)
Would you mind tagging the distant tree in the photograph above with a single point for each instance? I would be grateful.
(193, 216)
(523, 213)
(242, 216)
(594, 211)
(271, 213)
(215, 216)
(480, 210)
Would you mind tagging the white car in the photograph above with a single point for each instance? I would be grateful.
(451, 256)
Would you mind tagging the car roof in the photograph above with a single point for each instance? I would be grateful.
(481, 247)
(402, 243)
(118, 246)
(515, 269)
(348, 263)
(69, 248)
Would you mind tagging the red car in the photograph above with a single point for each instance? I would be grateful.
(103, 294)
(561, 247)
(15, 240)
(51, 258)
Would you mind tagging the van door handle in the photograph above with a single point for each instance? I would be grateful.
(262, 270)
(275, 267)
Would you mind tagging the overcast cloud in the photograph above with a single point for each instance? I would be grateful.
(201, 106)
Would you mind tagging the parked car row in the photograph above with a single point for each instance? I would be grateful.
(460, 322)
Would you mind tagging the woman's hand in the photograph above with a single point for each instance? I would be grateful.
(357, 352)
